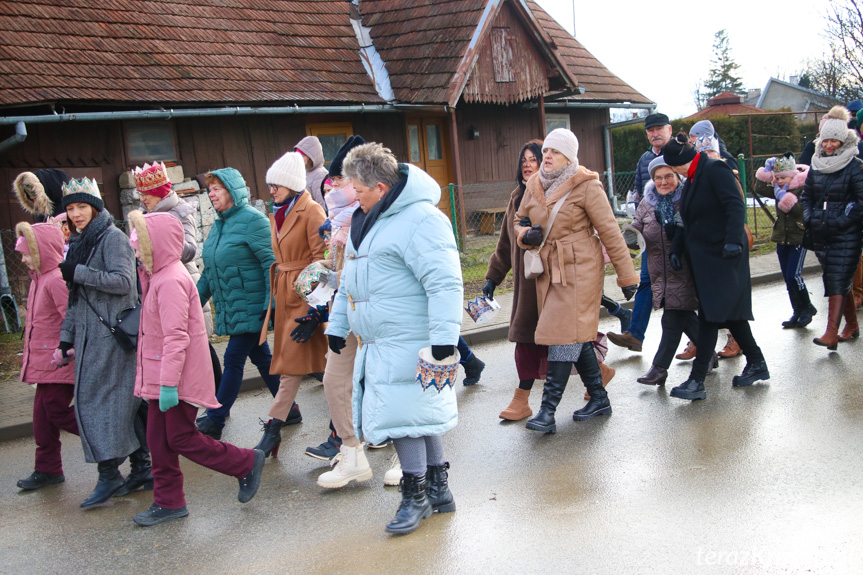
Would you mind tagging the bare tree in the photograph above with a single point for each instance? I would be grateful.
(831, 75)
(845, 33)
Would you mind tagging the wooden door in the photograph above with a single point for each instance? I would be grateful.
(428, 148)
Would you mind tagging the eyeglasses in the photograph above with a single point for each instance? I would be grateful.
(273, 186)
(669, 178)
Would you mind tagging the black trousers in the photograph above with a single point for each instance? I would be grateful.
(675, 322)
(706, 342)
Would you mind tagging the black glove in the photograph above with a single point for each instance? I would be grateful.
(525, 222)
(629, 291)
(68, 271)
(670, 228)
(533, 236)
(731, 251)
(488, 290)
(676, 265)
(64, 347)
(440, 352)
(337, 344)
(309, 323)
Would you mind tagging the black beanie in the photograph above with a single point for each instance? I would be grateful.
(338, 160)
(678, 151)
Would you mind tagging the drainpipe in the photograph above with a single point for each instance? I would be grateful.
(12, 141)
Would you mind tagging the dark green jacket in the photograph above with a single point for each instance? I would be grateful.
(788, 228)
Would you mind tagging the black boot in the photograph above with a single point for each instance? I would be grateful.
(38, 480)
(272, 438)
(139, 476)
(588, 369)
(472, 370)
(415, 505)
(795, 305)
(754, 371)
(689, 389)
(439, 494)
(807, 310)
(555, 383)
(110, 481)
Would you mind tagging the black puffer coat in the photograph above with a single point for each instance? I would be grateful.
(833, 214)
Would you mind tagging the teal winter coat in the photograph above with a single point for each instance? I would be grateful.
(237, 257)
(405, 287)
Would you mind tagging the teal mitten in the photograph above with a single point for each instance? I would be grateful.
(168, 397)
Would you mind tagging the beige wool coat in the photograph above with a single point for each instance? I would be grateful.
(295, 246)
(570, 289)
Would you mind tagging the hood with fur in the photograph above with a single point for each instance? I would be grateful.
(168, 231)
(40, 193)
(45, 243)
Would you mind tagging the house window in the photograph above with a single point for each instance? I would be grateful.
(554, 121)
(332, 137)
(501, 55)
(414, 141)
(150, 141)
(433, 141)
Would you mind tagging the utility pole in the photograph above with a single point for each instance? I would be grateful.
(573, 18)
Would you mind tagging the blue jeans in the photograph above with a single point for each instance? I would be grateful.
(643, 304)
(240, 347)
(464, 351)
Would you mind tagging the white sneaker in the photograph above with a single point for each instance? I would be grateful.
(394, 475)
(351, 464)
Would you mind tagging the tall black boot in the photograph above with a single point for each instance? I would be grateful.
(439, 495)
(110, 481)
(588, 369)
(807, 310)
(794, 296)
(555, 383)
(415, 505)
(139, 476)
(272, 438)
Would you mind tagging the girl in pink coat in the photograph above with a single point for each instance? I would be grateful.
(41, 249)
(175, 374)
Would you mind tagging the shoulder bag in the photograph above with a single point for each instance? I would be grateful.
(532, 260)
(125, 330)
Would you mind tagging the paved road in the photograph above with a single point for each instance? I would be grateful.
(758, 480)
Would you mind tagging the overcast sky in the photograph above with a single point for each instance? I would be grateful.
(767, 39)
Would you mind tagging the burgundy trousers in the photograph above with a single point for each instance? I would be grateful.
(51, 413)
(172, 434)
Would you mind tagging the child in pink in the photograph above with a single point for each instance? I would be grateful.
(175, 373)
(41, 249)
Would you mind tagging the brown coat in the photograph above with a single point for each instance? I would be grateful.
(569, 291)
(509, 256)
(297, 245)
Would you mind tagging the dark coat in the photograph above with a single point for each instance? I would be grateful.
(833, 212)
(713, 215)
(509, 256)
(642, 174)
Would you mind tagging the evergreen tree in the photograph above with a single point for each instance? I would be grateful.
(723, 77)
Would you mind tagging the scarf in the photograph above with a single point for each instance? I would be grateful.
(834, 163)
(82, 244)
(551, 180)
(664, 210)
(280, 211)
(341, 204)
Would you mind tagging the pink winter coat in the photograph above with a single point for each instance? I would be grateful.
(46, 306)
(172, 338)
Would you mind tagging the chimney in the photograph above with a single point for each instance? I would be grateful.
(794, 80)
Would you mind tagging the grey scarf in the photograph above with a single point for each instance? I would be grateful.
(551, 180)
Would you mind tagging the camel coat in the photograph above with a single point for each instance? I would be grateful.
(569, 291)
(295, 246)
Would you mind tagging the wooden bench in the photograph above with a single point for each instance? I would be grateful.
(488, 219)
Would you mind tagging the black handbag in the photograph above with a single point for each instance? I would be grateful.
(125, 330)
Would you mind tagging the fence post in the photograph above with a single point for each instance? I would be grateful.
(452, 215)
(741, 169)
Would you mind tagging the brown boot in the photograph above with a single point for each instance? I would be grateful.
(731, 348)
(835, 305)
(518, 408)
(607, 375)
(852, 329)
(688, 352)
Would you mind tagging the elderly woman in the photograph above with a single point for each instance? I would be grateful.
(715, 246)
(100, 273)
(562, 206)
(400, 292)
(657, 219)
(833, 215)
(302, 349)
(237, 257)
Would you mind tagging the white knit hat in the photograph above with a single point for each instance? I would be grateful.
(564, 142)
(288, 171)
(834, 126)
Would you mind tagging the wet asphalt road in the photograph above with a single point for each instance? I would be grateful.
(767, 479)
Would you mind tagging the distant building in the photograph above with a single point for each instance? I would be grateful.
(778, 94)
(722, 105)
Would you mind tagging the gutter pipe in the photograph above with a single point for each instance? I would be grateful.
(19, 136)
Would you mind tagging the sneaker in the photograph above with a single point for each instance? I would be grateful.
(393, 476)
(38, 480)
(381, 445)
(350, 465)
(250, 483)
(155, 515)
(294, 416)
(326, 450)
(209, 427)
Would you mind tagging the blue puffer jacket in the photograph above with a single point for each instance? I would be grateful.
(405, 287)
(642, 174)
(237, 257)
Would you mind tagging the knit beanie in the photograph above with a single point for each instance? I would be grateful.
(655, 164)
(706, 143)
(834, 126)
(339, 159)
(702, 128)
(85, 191)
(152, 180)
(563, 141)
(288, 171)
(678, 151)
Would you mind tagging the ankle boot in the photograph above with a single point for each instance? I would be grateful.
(731, 348)
(795, 305)
(852, 329)
(689, 389)
(607, 375)
(351, 465)
(591, 375)
(272, 438)
(415, 505)
(518, 408)
(439, 494)
(835, 305)
(555, 383)
(654, 376)
(807, 310)
(110, 481)
(139, 476)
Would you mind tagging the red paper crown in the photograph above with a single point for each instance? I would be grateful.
(151, 177)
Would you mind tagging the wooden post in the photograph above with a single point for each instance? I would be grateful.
(541, 109)
(456, 168)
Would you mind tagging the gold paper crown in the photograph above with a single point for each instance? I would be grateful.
(151, 177)
(82, 186)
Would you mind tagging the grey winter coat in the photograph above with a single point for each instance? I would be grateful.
(104, 372)
(311, 147)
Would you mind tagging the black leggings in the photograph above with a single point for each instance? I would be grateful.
(706, 342)
(675, 322)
